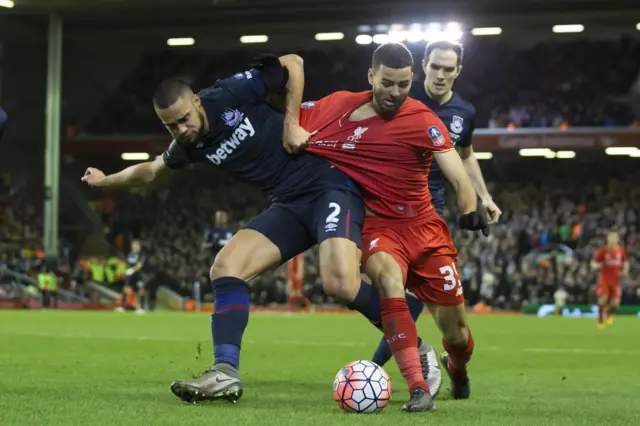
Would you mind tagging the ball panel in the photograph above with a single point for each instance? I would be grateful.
(362, 387)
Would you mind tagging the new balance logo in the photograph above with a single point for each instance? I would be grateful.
(228, 146)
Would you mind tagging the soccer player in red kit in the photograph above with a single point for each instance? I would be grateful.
(385, 141)
(611, 260)
(296, 282)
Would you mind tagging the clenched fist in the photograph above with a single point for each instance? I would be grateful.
(93, 177)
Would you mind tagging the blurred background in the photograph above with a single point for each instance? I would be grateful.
(555, 84)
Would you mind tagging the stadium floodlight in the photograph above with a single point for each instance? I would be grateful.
(452, 32)
(550, 155)
(381, 38)
(397, 36)
(566, 154)
(329, 36)
(414, 35)
(382, 28)
(635, 154)
(433, 32)
(638, 26)
(621, 150)
(246, 39)
(364, 28)
(535, 152)
(181, 41)
(564, 29)
(364, 39)
(486, 31)
(6, 3)
(483, 155)
(135, 156)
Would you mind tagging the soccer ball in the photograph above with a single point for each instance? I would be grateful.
(362, 387)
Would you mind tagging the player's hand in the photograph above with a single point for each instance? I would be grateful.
(474, 222)
(93, 177)
(492, 211)
(295, 138)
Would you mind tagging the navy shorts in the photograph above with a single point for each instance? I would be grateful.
(297, 225)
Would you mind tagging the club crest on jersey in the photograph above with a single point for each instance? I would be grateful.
(456, 124)
(232, 117)
(436, 136)
(357, 134)
(308, 105)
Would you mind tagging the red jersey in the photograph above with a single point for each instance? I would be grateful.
(390, 159)
(612, 260)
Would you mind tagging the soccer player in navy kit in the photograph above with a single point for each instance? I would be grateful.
(442, 64)
(234, 126)
(3, 121)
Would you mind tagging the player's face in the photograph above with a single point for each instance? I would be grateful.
(613, 238)
(222, 219)
(441, 70)
(390, 87)
(184, 119)
(135, 245)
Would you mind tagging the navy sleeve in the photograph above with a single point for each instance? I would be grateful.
(3, 121)
(176, 157)
(465, 141)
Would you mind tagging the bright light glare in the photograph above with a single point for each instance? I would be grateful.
(566, 154)
(181, 41)
(364, 39)
(563, 29)
(329, 36)
(621, 150)
(486, 31)
(381, 38)
(135, 156)
(254, 39)
(6, 3)
(536, 152)
(484, 155)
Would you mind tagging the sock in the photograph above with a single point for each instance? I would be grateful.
(459, 357)
(305, 301)
(401, 333)
(367, 302)
(229, 319)
(141, 301)
(292, 303)
(123, 300)
(601, 310)
(383, 352)
(610, 311)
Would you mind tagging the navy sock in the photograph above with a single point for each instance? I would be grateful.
(383, 352)
(123, 299)
(230, 318)
(367, 302)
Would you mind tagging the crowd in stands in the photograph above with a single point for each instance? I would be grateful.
(573, 83)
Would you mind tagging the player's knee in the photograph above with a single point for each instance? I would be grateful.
(339, 280)
(223, 268)
(454, 326)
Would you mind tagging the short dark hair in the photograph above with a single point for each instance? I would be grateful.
(169, 91)
(392, 55)
(444, 45)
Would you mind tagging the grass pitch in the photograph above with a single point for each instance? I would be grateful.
(106, 368)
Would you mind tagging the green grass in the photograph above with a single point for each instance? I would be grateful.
(108, 368)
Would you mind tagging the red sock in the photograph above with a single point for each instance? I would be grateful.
(402, 336)
(306, 301)
(459, 356)
(610, 311)
(292, 303)
(601, 310)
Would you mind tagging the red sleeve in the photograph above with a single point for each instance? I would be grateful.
(310, 111)
(599, 256)
(426, 130)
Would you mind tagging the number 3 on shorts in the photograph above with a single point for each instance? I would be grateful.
(450, 274)
(333, 217)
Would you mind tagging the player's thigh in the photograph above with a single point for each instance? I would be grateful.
(614, 296)
(387, 274)
(385, 256)
(336, 218)
(602, 293)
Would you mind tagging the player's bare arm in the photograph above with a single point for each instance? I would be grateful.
(625, 268)
(596, 266)
(137, 175)
(451, 165)
(295, 137)
(472, 167)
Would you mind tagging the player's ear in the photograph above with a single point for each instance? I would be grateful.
(370, 76)
(196, 100)
(459, 71)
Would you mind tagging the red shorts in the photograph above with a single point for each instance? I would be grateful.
(610, 290)
(424, 251)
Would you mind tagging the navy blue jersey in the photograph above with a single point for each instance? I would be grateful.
(459, 116)
(217, 237)
(245, 139)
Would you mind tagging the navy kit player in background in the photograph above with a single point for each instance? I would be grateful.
(3, 121)
(235, 126)
(134, 280)
(442, 64)
(217, 237)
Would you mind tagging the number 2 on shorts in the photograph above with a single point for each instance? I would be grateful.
(333, 217)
